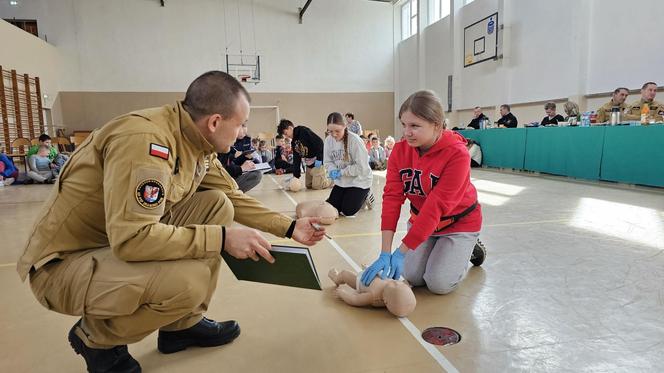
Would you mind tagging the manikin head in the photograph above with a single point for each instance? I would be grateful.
(320, 209)
(399, 298)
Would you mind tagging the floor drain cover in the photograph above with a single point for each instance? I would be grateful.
(441, 336)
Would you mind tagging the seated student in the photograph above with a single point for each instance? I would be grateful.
(241, 169)
(475, 153)
(244, 147)
(389, 145)
(56, 158)
(377, 157)
(551, 117)
(367, 140)
(478, 116)
(8, 172)
(507, 119)
(41, 168)
(264, 152)
(283, 157)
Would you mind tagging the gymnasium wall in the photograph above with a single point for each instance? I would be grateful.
(124, 54)
(553, 51)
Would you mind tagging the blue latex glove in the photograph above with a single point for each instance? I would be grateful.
(334, 174)
(396, 264)
(317, 164)
(381, 265)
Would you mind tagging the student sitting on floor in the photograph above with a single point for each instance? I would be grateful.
(8, 172)
(264, 152)
(41, 168)
(241, 169)
(389, 144)
(377, 158)
(283, 157)
(56, 158)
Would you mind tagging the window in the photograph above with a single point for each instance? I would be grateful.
(28, 25)
(408, 19)
(438, 9)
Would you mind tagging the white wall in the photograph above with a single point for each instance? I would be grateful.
(626, 44)
(553, 50)
(130, 45)
(30, 55)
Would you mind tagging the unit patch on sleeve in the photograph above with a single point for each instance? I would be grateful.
(150, 193)
(159, 151)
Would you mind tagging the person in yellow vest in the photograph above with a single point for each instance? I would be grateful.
(617, 101)
(656, 109)
(131, 234)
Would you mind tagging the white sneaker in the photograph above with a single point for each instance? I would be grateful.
(2, 183)
(9, 181)
(370, 200)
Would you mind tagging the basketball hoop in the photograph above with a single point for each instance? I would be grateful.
(244, 78)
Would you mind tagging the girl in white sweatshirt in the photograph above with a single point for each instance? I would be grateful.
(347, 162)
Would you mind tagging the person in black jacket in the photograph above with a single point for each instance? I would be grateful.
(307, 148)
(508, 120)
(551, 117)
(477, 117)
(282, 163)
(241, 169)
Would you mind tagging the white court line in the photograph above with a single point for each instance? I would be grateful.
(433, 351)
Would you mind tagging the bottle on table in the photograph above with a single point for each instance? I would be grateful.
(645, 112)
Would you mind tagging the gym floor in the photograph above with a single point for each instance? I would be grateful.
(572, 282)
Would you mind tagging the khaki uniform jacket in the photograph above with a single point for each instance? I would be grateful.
(656, 110)
(604, 112)
(124, 178)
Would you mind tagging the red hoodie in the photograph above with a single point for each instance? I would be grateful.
(437, 184)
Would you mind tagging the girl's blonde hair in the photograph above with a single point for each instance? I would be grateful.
(425, 105)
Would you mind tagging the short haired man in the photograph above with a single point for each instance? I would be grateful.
(648, 93)
(131, 238)
(478, 116)
(507, 119)
(617, 102)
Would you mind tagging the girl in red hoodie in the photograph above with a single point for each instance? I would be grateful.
(431, 168)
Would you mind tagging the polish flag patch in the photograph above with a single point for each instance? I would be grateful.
(159, 151)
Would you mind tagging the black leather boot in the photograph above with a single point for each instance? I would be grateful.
(114, 360)
(207, 333)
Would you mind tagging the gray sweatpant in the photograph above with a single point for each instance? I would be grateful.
(440, 262)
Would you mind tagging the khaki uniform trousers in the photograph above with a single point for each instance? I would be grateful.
(316, 178)
(123, 302)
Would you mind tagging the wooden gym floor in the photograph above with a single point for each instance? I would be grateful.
(573, 282)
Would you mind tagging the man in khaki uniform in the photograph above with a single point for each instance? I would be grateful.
(130, 236)
(648, 92)
(617, 101)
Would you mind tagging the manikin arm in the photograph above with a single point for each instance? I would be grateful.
(352, 297)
